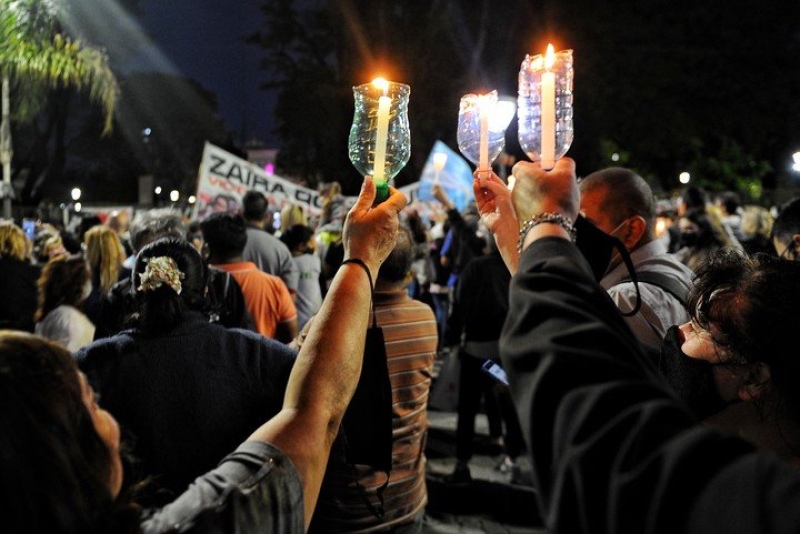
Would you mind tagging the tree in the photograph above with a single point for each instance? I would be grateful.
(163, 122)
(37, 59)
(666, 83)
(316, 52)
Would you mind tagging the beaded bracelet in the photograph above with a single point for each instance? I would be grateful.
(547, 217)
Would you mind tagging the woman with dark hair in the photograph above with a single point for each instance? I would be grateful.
(701, 234)
(61, 471)
(300, 241)
(186, 391)
(64, 285)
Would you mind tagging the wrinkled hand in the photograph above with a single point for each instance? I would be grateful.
(370, 232)
(493, 199)
(537, 191)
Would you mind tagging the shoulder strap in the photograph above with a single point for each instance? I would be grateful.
(664, 281)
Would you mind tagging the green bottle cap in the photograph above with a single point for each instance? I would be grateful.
(381, 193)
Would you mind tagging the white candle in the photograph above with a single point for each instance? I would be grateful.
(548, 154)
(483, 108)
(439, 161)
(384, 105)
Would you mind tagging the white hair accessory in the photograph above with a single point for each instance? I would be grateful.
(159, 271)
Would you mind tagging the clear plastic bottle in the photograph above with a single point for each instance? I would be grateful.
(529, 104)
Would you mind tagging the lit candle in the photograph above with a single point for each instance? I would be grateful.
(484, 110)
(384, 105)
(548, 154)
(439, 161)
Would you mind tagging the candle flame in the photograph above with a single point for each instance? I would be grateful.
(549, 57)
(439, 160)
(381, 84)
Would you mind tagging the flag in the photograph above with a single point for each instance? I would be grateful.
(455, 177)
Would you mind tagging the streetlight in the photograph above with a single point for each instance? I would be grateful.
(158, 190)
(75, 194)
(192, 199)
(684, 177)
(174, 195)
(796, 160)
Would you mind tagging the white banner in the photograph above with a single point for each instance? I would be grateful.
(225, 178)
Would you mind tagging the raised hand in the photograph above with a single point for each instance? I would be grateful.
(493, 199)
(537, 191)
(370, 232)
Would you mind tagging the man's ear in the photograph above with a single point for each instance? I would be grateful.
(637, 227)
(754, 381)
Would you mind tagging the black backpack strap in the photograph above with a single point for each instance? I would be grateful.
(666, 282)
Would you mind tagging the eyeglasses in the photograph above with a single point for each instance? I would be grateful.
(790, 249)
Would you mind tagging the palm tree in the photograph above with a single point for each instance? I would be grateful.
(36, 57)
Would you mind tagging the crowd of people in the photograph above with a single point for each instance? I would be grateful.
(278, 378)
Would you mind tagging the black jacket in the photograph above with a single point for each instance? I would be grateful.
(613, 450)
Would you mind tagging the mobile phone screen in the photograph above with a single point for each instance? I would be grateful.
(29, 227)
(495, 371)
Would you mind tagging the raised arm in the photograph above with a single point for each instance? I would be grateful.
(493, 199)
(612, 449)
(328, 365)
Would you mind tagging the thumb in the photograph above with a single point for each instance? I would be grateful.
(367, 194)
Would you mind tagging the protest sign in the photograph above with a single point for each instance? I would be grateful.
(225, 178)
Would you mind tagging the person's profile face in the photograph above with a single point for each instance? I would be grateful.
(108, 429)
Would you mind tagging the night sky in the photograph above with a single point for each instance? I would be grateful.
(202, 40)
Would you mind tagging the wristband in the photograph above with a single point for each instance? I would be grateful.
(364, 266)
(361, 263)
(547, 217)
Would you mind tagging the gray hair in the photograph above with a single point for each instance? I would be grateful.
(149, 225)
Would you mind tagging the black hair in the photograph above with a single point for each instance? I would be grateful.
(55, 468)
(730, 201)
(254, 206)
(225, 234)
(417, 227)
(694, 197)
(61, 282)
(297, 236)
(160, 309)
(753, 302)
(787, 223)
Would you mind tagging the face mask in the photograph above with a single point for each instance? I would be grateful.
(690, 378)
(595, 245)
(598, 247)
